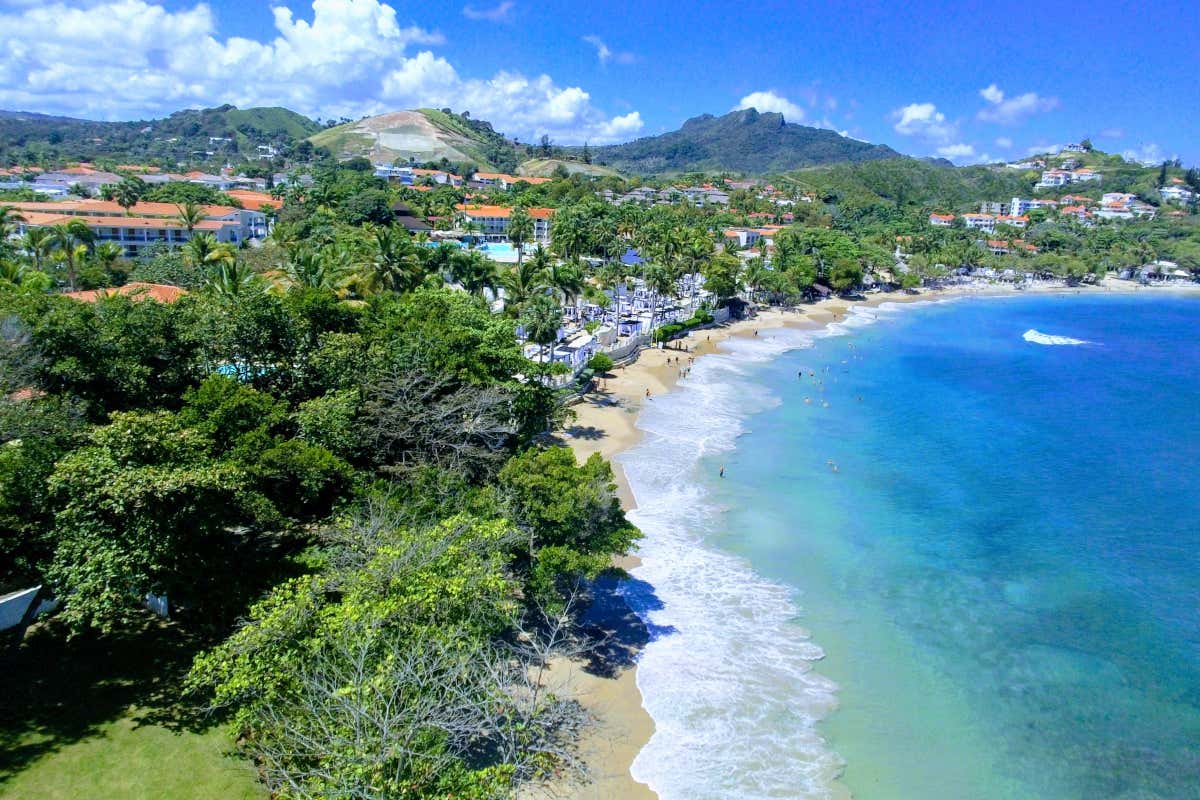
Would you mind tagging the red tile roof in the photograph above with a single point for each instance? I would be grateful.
(163, 293)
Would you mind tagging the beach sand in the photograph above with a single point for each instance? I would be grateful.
(606, 423)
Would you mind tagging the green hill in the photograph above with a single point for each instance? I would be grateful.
(545, 168)
(225, 133)
(744, 141)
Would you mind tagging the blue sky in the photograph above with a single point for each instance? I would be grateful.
(932, 78)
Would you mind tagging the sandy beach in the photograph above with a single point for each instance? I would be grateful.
(606, 422)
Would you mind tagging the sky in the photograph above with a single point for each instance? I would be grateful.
(965, 81)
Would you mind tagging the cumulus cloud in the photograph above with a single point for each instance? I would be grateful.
(497, 13)
(924, 121)
(770, 102)
(1011, 110)
(59, 57)
(531, 106)
(605, 54)
(1004, 142)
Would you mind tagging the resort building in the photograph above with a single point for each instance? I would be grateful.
(145, 224)
(492, 221)
(941, 220)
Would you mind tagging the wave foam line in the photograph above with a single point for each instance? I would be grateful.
(728, 674)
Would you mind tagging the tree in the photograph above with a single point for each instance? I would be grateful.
(128, 192)
(189, 216)
(38, 243)
(722, 276)
(395, 263)
(1162, 175)
(569, 513)
(142, 508)
(70, 240)
(524, 281)
(541, 319)
(520, 230)
(474, 272)
(9, 217)
(566, 279)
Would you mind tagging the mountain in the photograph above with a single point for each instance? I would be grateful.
(225, 133)
(743, 141)
(422, 135)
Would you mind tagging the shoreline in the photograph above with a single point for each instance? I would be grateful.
(606, 423)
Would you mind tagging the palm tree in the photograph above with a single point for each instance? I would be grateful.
(475, 273)
(566, 278)
(9, 217)
(231, 281)
(395, 263)
(71, 240)
(541, 319)
(107, 255)
(524, 282)
(520, 230)
(38, 242)
(315, 269)
(12, 271)
(128, 192)
(190, 215)
(660, 281)
(756, 273)
(202, 250)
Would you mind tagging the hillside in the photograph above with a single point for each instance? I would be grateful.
(225, 133)
(742, 141)
(546, 167)
(421, 136)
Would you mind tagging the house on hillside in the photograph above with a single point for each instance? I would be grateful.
(941, 220)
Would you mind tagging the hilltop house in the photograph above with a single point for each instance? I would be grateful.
(1175, 194)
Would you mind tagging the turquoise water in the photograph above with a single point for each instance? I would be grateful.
(1003, 573)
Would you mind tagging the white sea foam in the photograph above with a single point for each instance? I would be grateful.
(1037, 337)
(728, 675)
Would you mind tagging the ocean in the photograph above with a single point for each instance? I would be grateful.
(955, 554)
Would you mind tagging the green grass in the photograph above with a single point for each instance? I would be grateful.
(128, 759)
(103, 717)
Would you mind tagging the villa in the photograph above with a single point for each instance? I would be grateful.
(980, 222)
(941, 220)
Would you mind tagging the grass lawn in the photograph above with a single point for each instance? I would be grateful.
(102, 717)
(125, 759)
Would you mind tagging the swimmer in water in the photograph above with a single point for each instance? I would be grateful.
(722, 470)
(808, 399)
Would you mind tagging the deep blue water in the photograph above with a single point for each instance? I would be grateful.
(1004, 570)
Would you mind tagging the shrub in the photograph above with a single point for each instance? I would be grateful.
(600, 363)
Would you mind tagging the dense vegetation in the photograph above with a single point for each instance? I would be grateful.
(322, 440)
(223, 134)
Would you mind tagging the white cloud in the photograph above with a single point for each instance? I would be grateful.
(1150, 155)
(924, 121)
(497, 14)
(1113, 133)
(510, 100)
(1004, 142)
(770, 102)
(1013, 109)
(992, 94)
(605, 54)
(956, 151)
(1039, 149)
(59, 57)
